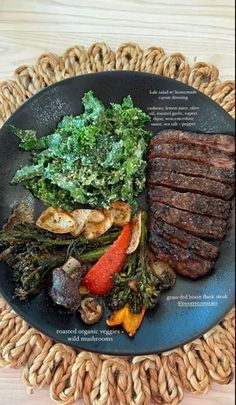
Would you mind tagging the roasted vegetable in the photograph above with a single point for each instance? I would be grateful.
(135, 284)
(98, 223)
(129, 320)
(121, 213)
(92, 223)
(162, 271)
(81, 216)
(94, 158)
(21, 214)
(64, 291)
(99, 278)
(136, 232)
(57, 221)
(33, 253)
(65, 281)
(91, 309)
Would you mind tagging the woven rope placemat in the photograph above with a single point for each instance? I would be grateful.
(100, 379)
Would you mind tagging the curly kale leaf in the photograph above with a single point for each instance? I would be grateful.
(28, 137)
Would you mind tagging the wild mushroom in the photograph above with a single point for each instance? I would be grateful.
(65, 284)
(162, 271)
(91, 310)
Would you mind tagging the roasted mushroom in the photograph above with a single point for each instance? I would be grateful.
(91, 310)
(65, 284)
(162, 271)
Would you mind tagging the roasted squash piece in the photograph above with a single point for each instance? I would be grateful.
(81, 216)
(93, 230)
(121, 213)
(57, 221)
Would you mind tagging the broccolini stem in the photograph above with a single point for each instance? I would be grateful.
(143, 240)
(94, 255)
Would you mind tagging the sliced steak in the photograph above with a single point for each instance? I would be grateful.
(191, 202)
(198, 153)
(187, 183)
(193, 168)
(221, 142)
(184, 261)
(199, 225)
(182, 238)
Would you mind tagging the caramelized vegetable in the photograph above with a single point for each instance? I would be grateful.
(162, 271)
(136, 232)
(121, 213)
(99, 277)
(96, 216)
(91, 310)
(98, 223)
(127, 319)
(57, 221)
(22, 213)
(80, 216)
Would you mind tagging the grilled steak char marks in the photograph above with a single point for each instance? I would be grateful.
(203, 154)
(190, 182)
(216, 141)
(199, 225)
(184, 239)
(191, 202)
(184, 261)
(193, 168)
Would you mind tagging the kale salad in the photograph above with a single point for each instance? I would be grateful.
(93, 158)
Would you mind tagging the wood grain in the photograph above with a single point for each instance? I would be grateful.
(201, 29)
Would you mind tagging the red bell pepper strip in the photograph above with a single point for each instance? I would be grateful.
(99, 278)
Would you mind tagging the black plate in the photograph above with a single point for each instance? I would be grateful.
(191, 307)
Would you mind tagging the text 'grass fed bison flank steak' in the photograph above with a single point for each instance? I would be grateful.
(190, 182)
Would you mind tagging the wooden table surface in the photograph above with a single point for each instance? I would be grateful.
(201, 29)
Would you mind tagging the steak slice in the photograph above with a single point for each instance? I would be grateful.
(193, 168)
(192, 202)
(199, 225)
(187, 183)
(182, 238)
(221, 142)
(183, 261)
(199, 153)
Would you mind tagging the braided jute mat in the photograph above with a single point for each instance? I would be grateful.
(96, 378)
